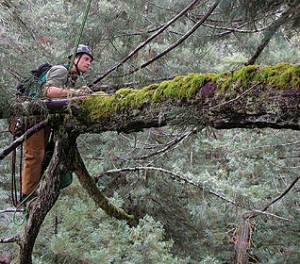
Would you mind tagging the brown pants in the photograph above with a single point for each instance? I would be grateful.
(34, 151)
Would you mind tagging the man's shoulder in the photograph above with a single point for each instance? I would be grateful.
(57, 71)
(57, 76)
(59, 67)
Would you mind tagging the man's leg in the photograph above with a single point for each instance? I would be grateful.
(34, 148)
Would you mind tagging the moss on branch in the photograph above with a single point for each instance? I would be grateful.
(194, 87)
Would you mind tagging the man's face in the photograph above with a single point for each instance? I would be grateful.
(84, 62)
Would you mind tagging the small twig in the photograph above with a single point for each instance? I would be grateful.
(263, 211)
(9, 240)
(283, 167)
(270, 214)
(169, 146)
(283, 194)
(129, 34)
(237, 29)
(178, 42)
(173, 176)
(22, 138)
(270, 146)
(238, 97)
(270, 32)
(11, 211)
(147, 145)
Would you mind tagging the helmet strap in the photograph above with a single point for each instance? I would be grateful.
(76, 64)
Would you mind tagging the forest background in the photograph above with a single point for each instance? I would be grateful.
(189, 188)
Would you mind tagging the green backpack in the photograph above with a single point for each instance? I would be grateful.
(32, 85)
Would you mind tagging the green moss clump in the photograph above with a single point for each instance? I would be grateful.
(133, 98)
(123, 92)
(98, 106)
(125, 98)
(191, 84)
(181, 86)
(240, 78)
(103, 105)
(280, 75)
(172, 90)
(288, 77)
(159, 93)
(151, 87)
(144, 96)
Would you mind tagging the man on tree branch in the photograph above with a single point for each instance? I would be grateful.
(58, 79)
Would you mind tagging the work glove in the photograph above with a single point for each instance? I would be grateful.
(84, 90)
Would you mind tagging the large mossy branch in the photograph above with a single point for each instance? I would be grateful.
(253, 96)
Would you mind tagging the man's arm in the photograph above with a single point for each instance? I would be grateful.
(55, 82)
(56, 92)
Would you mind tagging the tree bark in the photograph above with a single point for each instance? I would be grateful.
(242, 242)
(253, 96)
(49, 191)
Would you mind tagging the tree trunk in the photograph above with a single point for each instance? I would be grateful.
(242, 241)
(66, 157)
(49, 191)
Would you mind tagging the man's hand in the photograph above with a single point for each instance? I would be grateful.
(84, 90)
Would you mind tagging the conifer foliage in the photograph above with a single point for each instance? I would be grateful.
(172, 190)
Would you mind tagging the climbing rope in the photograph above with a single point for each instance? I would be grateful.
(14, 189)
(26, 203)
(79, 35)
(14, 196)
